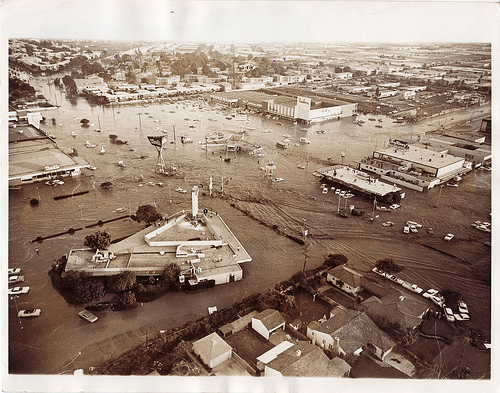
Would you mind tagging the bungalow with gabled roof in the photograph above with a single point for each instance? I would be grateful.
(408, 311)
(268, 321)
(212, 350)
(303, 359)
(348, 332)
(346, 279)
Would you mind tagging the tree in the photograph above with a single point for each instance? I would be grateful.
(121, 282)
(171, 273)
(98, 241)
(403, 336)
(147, 214)
(88, 290)
(388, 265)
(84, 122)
(285, 304)
(333, 260)
(127, 298)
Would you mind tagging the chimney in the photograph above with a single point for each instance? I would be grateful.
(194, 201)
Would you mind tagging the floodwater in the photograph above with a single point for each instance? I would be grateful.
(50, 344)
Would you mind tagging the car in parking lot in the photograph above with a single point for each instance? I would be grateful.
(18, 290)
(413, 229)
(449, 236)
(415, 288)
(378, 271)
(415, 224)
(88, 316)
(14, 270)
(449, 314)
(15, 279)
(387, 224)
(394, 206)
(430, 231)
(437, 300)
(406, 229)
(462, 307)
(34, 312)
(430, 292)
(465, 317)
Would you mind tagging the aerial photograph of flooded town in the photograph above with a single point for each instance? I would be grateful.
(248, 207)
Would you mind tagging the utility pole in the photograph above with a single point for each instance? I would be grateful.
(439, 196)
(305, 261)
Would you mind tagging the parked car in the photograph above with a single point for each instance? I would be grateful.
(18, 290)
(14, 270)
(465, 317)
(394, 206)
(438, 301)
(449, 236)
(415, 288)
(413, 229)
(406, 229)
(416, 224)
(430, 292)
(15, 279)
(87, 315)
(34, 312)
(462, 307)
(430, 231)
(387, 224)
(378, 271)
(449, 314)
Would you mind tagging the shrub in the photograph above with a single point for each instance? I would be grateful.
(98, 241)
(388, 265)
(333, 260)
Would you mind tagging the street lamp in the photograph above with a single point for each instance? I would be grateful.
(342, 155)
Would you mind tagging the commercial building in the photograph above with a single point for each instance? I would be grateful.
(33, 154)
(302, 108)
(414, 167)
(199, 242)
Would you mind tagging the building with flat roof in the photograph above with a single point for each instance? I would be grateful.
(199, 242)
(33, 154)
(358, 181)
(305, 108)
(418, 168)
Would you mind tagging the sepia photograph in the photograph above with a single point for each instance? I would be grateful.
(248, 196)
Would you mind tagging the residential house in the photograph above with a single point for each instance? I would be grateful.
(238, 324)
(212, 350)
(303, 359)
(349, 332)
(406, 310)
(267, 322)
(346, 279)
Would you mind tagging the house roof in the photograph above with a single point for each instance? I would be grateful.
(307, 360)
(339, 316)
(211, 347)
(347, 275)
(360, 331)
(396, 307)
(270, 318)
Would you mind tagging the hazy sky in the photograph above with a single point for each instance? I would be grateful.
(247, 21)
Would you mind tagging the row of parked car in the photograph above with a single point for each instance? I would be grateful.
(431, 294)
(338, 191)
(14, 278)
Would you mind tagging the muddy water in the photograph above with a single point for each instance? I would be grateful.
(46, 344)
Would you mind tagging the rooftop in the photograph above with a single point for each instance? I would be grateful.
(357, 180)
(429, 158)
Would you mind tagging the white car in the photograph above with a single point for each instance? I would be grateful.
(465, 317)
(394, 206)
(18, 290)
(416, 224)
(413, 229)
(430, 293)
(15, 279)
(337, 191)
(462, 307)
(406, 229)
(449, 236)
(88, 316)
(14, 270)
(415, 288)
(387, 224)
(378, 271)
(438, 301)
(34, 312)
(449, 314)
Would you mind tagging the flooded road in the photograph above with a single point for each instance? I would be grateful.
(47, 344)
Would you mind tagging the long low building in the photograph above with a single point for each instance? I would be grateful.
(200, 243)
(415, 167)
(34, 156)
(300, 108)
(360, 182)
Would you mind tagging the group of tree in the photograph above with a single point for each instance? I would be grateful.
(98, 241)
(19, 90)
(388, 265)
(266, 67)
(83, 288)
(147, 214)
(334, 260)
